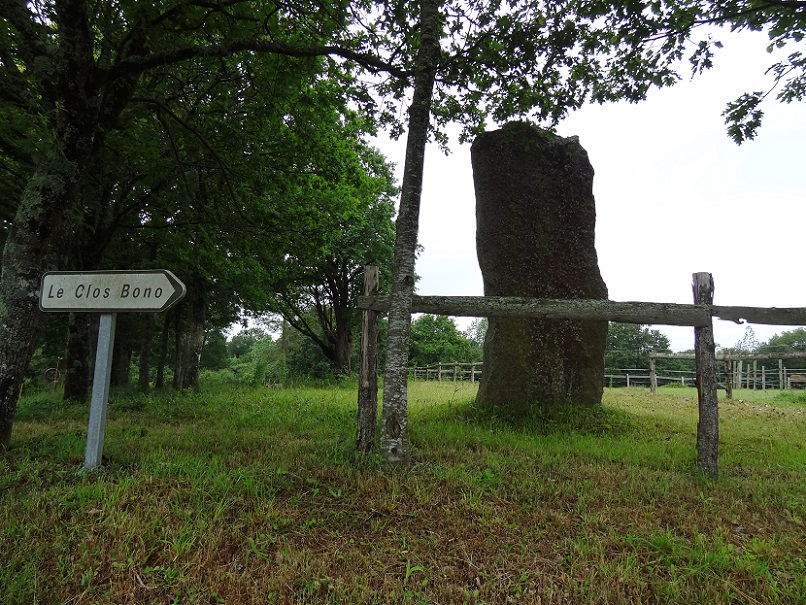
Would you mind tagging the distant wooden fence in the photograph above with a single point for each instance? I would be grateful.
(734, 375)
(454, 372)
(699, 315)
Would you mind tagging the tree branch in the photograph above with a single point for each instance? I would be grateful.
(141, 63)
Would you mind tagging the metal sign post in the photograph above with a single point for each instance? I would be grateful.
(107, 292)
(100, 390)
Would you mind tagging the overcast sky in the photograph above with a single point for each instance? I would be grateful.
(674, 196)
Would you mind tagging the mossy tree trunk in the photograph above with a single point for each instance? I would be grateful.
(394, 426)
(77, 358)
(74, 104)
(146, 342)
(38, 237)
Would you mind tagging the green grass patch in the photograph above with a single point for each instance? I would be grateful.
(241, 495)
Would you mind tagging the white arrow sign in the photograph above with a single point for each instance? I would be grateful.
(110, 291)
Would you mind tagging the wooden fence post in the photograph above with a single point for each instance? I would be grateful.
(704, 350)
(368, 380)
(653, 374)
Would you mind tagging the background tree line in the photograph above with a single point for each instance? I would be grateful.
(273, 352)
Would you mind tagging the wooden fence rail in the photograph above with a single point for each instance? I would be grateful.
(733, 368)
(699, 315)
(669, 314)
(731, 377)
(451, 371)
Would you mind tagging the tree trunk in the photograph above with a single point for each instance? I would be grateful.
(35, 244)
(179, 361)
(194, 340)
(39, 234)
(77, 358)
(122, 356)
(159, 381)
(394, 427)
(144, 365)
(344, 342)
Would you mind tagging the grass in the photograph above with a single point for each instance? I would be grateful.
(257, 496)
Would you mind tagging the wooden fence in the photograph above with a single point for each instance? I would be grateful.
(699, 315)
(734, 375)
(454, 372)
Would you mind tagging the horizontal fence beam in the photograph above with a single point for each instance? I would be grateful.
(670, 314)
(759, 315)
(542, 308)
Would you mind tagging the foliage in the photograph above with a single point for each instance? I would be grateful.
(476, 331)
(629, 345)
(435, 339)
(214, 354)
(673, 23)
(317, 292)
(790, 341)
(174, 90)
(243, 342)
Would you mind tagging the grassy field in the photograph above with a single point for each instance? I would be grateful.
(257, 496)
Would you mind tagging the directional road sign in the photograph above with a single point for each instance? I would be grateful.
(110, 291)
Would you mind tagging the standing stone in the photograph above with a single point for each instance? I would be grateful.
(535, 219)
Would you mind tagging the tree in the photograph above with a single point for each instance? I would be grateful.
(435, 339)
(242, 343)
(214, 355)
(629, 345)
(477, 60)
(318, 291)
(477, 331)
(790, 341)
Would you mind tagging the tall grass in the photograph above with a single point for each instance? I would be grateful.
(257, 496)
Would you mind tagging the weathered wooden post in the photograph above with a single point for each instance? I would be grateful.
(368, 380)
(704, 351)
